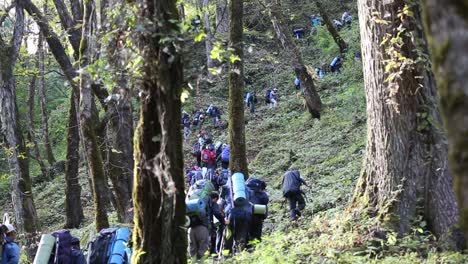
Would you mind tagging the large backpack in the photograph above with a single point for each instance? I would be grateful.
(256, 184)
(267, 96)
(291, 183)
(200, 193)
(205, 155)
(66, 249)
(225, 153)
(109, 247)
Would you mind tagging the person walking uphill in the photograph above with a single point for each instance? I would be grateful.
(291, 188)
(11, 250)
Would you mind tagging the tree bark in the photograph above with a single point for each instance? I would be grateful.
(238, 158)
(43, 102)
(333, 31)
(88, 133)
(222, 17)
(208, 39)
(120, 152)
(73, 208)
(314, 104)
(447, 24)
(406, 157)
(30, 134)
(158, 192)
(22, 197)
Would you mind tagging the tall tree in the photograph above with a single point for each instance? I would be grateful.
(90, 140)
(313, 102)
(333, 31)
(222, 17)
(31, 136)
(406, 157)
(43, 101)
(448, 26)
(158, 192)
(23, 202)
(238, 158)
(208, 38)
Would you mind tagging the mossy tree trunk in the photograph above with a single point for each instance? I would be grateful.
(314, 104)
(22, 197)
(238, 158)
(447, 23)
(158, 192)
(331, 28)
(222, 17)
(90, 140)
(406, 158)
(73, 208)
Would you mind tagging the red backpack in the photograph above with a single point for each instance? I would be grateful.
(205, 155)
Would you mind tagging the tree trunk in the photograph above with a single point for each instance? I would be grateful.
(406, 157)
(182, 11)
(30, 133)
(208, 39)
(222, 17)
(43, 102)
(22, 198)
(333, 31)
(120, 152)
(158, 194)
(73, 208)
(90, 139)
(314, 104)
(448, 26)
(238, 158)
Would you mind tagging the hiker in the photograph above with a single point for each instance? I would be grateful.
(319, 72)
(291, 188)
(273, 98)
(257, 196)
(186, 125)
(215, 113)
(215, 213)
(298, 33)
(252, 101)
(346, 18)
(336, 64)
(337, 24)
(196, 23)
(208, 157)
(247, 99)
(197, 118)
(225, 155)
(10, 250)
(315, 20)
(200, 226)
(297, 83)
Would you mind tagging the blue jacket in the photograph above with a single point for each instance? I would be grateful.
(11, 252)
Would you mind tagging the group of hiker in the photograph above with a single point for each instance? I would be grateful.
(198, 119)
(315, 21)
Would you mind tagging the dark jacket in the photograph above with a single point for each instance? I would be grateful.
(292, 182)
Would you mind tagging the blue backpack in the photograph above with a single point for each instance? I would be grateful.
(110, 247)
(225, 153)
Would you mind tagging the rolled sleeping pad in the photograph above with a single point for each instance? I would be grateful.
(118, 254)
(238, 187)
(259, 209)
(195, 207)
(187, 221)
(46, 245)
(204, 170)
(334, 61)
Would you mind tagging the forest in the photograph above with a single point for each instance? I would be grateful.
(232, 131)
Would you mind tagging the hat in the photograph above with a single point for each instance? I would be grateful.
(10, 228)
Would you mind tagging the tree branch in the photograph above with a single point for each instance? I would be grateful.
(18, 33)
(68, 24)
(5, 15)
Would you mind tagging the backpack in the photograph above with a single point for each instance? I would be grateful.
(66, 249)
(200, 194)
(109, 246)
(267, 96)
(208, 139)
(291, 183)
(196, 149)
(247, 98)
(256, 184)
(205, 155)
(225, 153)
